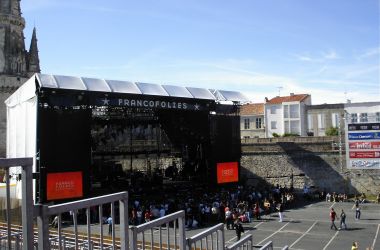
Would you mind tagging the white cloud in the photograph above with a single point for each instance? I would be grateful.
(330, 55)
(369, 53)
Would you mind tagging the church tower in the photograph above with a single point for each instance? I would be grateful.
(16, 64)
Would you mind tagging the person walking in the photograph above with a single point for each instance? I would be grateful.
(280, 209)
(109, 222)
(343, 220)
(238, 229)
(332, 218)
(357, 209)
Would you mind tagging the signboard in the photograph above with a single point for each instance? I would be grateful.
(227, 172)
(64, 185)
(363, 146)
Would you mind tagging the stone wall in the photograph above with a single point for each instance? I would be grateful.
(317, 164)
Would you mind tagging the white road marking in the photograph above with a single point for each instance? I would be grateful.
(328, 243)
(377, 233)
(273, 233)
(303, 234)
(332, 205)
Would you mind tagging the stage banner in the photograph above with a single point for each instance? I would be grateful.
(64, 185)
(227, 172)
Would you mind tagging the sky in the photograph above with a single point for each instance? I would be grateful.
(329, 49)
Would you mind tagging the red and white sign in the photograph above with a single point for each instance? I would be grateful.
(227, 172)
(364, 145)
(365, 154)
(64, 185)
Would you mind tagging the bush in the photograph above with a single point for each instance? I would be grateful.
(290, 135)
(275, 135)
(332, 131)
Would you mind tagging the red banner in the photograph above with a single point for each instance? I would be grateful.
(365, 145)
(227, 172)
(64, 185)
(365, 154)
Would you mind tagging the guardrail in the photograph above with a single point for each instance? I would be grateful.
(267, 246)
(45, 212)
(245, 243)
(27, 200)
(308, 139)
(174, 225)
(212, 238)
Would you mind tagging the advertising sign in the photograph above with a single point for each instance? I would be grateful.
(64, 185)
(363, 146)
(227, 172)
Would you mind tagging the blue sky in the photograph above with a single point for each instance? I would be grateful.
(327, 48)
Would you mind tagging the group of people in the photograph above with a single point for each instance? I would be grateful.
(342, 223)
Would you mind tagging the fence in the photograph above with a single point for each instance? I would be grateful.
(46, 240)
(246, 243)
(27, 203)
(212, 238)
(172, 223)
(309, 139)
(267, 246)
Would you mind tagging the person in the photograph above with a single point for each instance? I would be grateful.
(109, 222)
(280, 209)
(54, 223)
(355, 245)
(343, 220)
(357, 209)
(238, 229)
(228, 215)
(332, 218)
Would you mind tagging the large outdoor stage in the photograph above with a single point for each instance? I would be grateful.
(91, 136)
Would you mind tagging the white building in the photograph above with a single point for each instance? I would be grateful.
(286, 115)
(324, 116)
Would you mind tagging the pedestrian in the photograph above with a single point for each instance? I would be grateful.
(343, 220)
(355, 245)
(238, 229)
(357, 209)
(109, 221)
(332, 218)
(280, 209)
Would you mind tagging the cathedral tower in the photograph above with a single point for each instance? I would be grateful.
(16, 64)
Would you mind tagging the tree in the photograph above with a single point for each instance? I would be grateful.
(332, 131)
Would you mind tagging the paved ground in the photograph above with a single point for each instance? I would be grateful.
(308, 227)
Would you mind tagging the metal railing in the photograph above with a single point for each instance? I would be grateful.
(46, 239)
(267, 246)
(174, 224)
(27, 203)
(212, 238)
(307, 139)
(245, 243)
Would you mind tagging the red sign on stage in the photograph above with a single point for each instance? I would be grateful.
(364, 145)
(227, 172)
(64, 185)
(365, 154)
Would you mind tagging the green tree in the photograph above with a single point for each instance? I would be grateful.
(331, 131)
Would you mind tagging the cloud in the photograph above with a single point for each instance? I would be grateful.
(369, 53)
(330, 55)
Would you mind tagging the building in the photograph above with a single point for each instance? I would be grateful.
(16, 63)
(322, 117)
(286, 115)
(252, 120)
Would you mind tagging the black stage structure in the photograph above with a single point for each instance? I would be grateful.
(95, 131)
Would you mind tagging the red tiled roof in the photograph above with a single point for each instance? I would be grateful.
(252, 109)
(291, 98)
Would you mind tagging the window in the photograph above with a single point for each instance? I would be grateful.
(335, 120)
(294, 111)
(246, 123)
(354, 118)
(273, 125)
(273, 110)
(363, 117)
(377, 116)
(286, 125)
(258, 123)
(286, 111)
(295, 127)
(309, 121)
(321, 121)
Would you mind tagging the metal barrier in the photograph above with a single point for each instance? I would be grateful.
(285, 248)
(27, 203)
(45, 240)
(171, 223)
(267, 246)
(246, 243)
(215, 234)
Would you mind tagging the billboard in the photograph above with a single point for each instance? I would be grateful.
(64, 185)
(227, 172)
(362, 146)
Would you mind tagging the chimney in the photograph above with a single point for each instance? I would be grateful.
(266, 99)
(291, 94)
